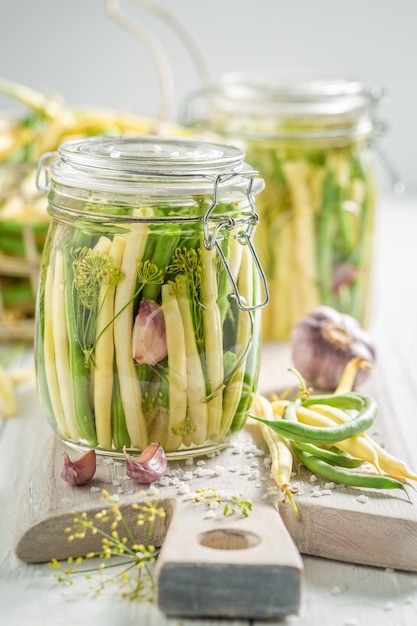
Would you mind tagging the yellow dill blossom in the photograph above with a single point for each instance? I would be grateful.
(134, 577)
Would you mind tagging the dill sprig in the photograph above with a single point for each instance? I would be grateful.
(130, 571)
(188, 261)
(232, 504)
(91, 270)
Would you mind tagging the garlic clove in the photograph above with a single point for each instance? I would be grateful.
(150, 465)
(149, 344)
(81, 470)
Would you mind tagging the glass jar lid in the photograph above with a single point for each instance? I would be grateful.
(151, 165)
(256, 103)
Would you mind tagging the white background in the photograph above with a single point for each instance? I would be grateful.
(72, 47)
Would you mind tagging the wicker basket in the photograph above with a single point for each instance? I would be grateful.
(23, 226)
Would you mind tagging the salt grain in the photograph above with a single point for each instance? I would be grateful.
(210, 514)
(326, 492)
(183, 489)
(362, 499)
(201, 472)
(316, 493)
(313, 478)
(201, 462)
(329, 486)
(189, 461)
(187, 476)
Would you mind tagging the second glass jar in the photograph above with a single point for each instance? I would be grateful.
(310, 139)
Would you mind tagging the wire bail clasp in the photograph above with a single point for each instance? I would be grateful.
(44, 170)
(244, 236)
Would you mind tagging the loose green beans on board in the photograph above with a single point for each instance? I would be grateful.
(327, 434)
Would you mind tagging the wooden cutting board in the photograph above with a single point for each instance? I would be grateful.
(210, 564)
(232, 566)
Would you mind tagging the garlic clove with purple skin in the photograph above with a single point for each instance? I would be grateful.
(323, 342)
(150, 465)
(149, 344)
(81, 470)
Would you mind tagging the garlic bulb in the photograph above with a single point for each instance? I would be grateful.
(323, 343)
(150, 465)
(80, 471)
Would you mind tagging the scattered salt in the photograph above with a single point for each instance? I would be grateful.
(201, 462)
(234, 468)
(201, 472)
(313, 478)
(210, 514)
(316, 493)
(254, 475)
(244, 470)
(187, 476)
(326, 492)
(115, 482)
(189, 461)
(95, 489)
(183, 489)
(362, 499)
(329, 486)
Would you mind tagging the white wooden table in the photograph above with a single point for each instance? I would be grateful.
(334, 594)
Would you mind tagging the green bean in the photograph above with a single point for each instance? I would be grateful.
(367, 411)
(329, 456)
(120, 433)
(337, 475)
(290, 427)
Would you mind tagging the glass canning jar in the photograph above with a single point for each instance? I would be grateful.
(311, 141)
(148, 310)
